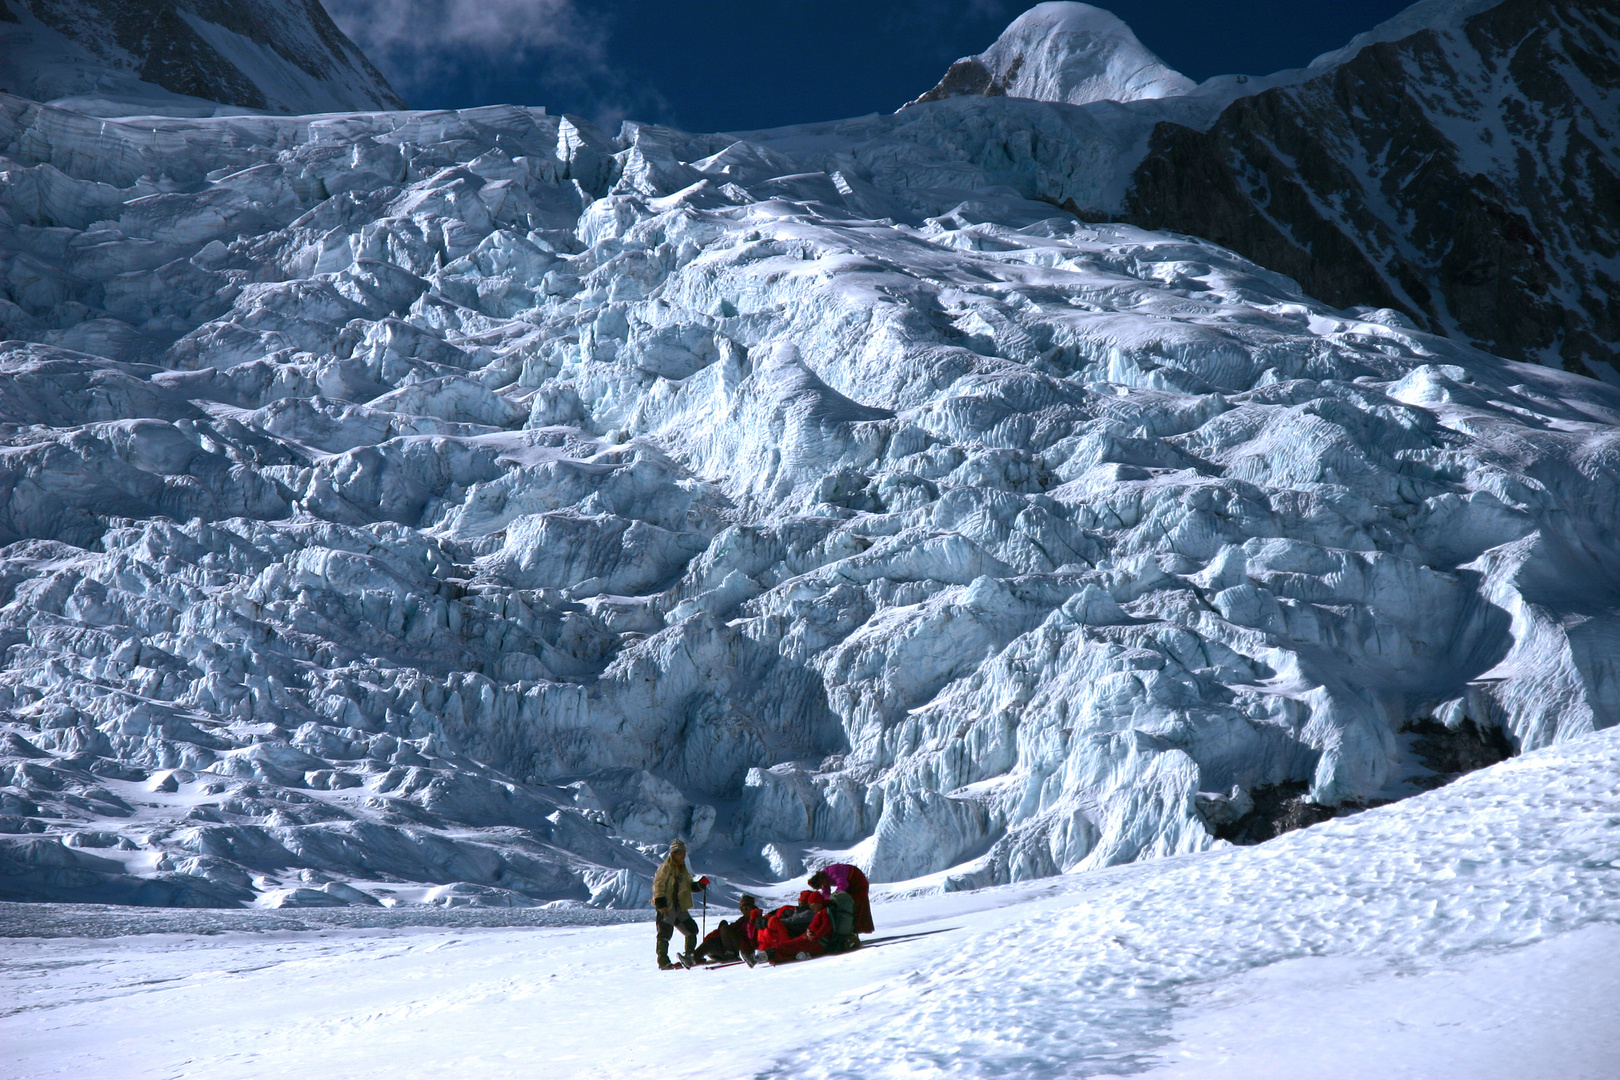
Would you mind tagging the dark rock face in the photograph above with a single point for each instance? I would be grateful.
(1450, 752)
(1469, 179)
(1273, 809)
(1278, 808)
(170, 43)
(967, 76)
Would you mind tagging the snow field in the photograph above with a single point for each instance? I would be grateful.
(1539, 1010)
(1469, 932)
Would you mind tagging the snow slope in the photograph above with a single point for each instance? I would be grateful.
(452, 507)
(186, 58)
(1470, 933)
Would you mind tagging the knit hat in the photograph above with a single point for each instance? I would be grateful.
(746, 901)
(808, 897)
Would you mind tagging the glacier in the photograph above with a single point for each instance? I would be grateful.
(452, 507)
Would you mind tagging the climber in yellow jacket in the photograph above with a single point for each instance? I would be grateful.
(672, 896)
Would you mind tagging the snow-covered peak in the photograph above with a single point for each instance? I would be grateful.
(186, 58)
(1068, 52)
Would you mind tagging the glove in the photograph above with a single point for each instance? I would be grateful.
(661, 903)
(702, 882)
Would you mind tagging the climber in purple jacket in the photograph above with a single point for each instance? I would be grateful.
(848, 879)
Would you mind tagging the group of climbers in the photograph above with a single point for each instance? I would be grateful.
(828, 918)
(820, 924)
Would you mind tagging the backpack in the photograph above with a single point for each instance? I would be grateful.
(841, 908)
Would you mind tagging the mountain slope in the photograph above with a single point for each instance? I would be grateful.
(452, 507)
(1467, 173)
(161, 55)
(1459, 163)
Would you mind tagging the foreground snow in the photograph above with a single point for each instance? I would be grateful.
(1472, 932)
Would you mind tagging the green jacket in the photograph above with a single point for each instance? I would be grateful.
(842, 910)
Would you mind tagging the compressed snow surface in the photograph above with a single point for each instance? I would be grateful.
(454, 507)
(1473, 932)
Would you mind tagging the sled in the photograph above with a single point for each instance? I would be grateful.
(870, 943)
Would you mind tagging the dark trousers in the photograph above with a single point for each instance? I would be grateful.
(727, 943)
(671, 919)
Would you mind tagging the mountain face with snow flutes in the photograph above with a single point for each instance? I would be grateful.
(454, 506)
(1466, 173)
(185, 57)
(1458, 164)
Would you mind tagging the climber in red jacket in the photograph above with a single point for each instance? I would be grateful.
(808, 944)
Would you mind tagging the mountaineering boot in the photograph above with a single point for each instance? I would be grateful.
(750, 958)
(665, 964)
(687, 960)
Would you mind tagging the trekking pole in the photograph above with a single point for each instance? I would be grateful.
(705, 911)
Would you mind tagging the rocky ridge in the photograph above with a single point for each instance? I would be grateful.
(1466, 174)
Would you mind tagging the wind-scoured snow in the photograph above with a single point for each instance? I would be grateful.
(453, 507)
(1467, 934)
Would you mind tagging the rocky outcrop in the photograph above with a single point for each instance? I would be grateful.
(1468, 176)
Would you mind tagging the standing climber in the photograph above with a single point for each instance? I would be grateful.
(847, 879)
(672, 896)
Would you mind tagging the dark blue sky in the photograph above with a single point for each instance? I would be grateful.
(714, 65)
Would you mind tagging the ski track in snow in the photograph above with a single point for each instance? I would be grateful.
(1470, 932)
